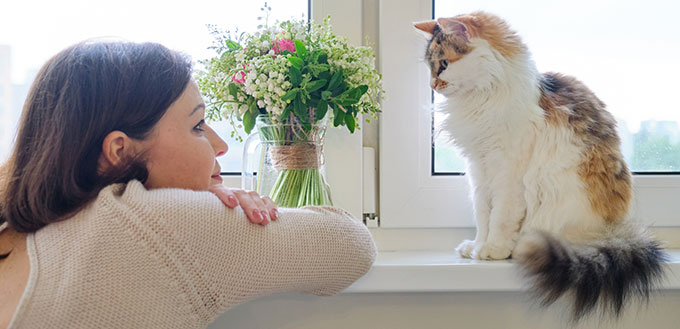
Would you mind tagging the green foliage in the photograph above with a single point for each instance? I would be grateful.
(293, 71)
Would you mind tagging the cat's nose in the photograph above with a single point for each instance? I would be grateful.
(436, 84)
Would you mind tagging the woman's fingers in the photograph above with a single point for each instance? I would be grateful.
(225, 194)
(253, 206)
(259, 210)
(271, 207)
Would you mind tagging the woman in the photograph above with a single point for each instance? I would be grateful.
(110, 220)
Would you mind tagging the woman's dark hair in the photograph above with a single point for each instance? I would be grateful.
(79, 96)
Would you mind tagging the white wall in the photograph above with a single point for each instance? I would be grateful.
(429, 310)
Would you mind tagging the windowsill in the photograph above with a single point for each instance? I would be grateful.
(445, 271)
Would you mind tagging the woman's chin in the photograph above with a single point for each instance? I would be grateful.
(217, 179)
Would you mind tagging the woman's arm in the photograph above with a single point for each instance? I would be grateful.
(222, 259)
(260, 210)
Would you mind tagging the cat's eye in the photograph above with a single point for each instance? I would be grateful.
(443, 64)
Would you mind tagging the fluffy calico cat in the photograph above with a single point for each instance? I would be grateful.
(550, 186)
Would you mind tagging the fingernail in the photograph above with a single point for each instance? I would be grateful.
(265, 215)
(275, 214)
(257, 216)
(231, 198)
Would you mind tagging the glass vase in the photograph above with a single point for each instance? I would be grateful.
(284, 160)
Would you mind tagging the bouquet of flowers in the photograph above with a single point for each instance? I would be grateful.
(294, 75)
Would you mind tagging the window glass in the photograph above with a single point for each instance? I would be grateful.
(625, 51)
(35, 30)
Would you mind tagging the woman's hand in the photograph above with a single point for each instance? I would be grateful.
(259, 210)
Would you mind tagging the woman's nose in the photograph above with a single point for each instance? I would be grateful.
(218, 144)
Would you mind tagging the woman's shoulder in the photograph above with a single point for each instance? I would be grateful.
(133, 194)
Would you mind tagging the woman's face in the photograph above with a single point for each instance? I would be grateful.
(182, 148)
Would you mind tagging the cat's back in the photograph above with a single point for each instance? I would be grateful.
(569, 104)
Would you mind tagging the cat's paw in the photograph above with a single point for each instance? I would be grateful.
(466, 248)
(494, 250)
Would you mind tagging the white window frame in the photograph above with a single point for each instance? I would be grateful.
(410, 197)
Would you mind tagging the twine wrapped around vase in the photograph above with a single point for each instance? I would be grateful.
(296, 156)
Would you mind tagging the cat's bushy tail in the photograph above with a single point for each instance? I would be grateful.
(600, 276)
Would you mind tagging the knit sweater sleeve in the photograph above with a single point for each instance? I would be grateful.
(219, 259)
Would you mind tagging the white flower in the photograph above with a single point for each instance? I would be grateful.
(260, 104)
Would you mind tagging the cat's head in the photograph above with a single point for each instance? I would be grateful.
(469, 52)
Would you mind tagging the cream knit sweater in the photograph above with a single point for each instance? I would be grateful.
(172, 258)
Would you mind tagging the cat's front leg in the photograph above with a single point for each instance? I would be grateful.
(482, 211)
(505, 222)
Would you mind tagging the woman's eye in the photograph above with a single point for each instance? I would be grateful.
(199, 126)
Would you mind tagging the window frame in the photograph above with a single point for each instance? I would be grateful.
(410, 195)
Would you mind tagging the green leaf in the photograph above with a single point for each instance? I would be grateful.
(300, 109)
(300, 49)
(232, 45)
(339, 116)
(325, 75)
(352, 96)
(315, 85)
(290, 95)
(335, 80)
(252, 108)
(321, 110)
(295, 76)
(248, 122)
(315, 56)
(349, 120)
(317, 69)
(233, 90)
(296, 61)
(326, 94)
(323, 58)
(358, 92)
(286, 111)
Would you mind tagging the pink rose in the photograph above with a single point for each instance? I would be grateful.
(282, 44)
(239, 77)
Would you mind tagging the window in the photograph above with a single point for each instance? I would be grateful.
(39, 34)
(631, 69)
(609, 46)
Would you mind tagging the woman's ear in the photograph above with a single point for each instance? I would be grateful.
(117, 146)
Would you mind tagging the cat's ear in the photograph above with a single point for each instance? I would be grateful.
(426, 27)
(452, 26)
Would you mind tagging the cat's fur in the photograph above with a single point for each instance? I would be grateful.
(550, 186)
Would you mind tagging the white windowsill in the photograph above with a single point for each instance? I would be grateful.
(444, 271)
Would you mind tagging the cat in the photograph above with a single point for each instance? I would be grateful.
(549, 184)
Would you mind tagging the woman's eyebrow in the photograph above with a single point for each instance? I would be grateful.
(198, 107)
